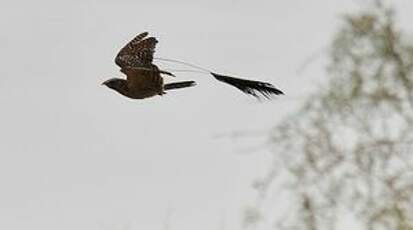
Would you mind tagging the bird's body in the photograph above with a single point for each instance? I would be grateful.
(143, 78)
(144, 83)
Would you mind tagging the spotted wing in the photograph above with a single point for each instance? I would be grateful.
(137, 53)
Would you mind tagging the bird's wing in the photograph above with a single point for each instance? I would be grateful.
(137, 53)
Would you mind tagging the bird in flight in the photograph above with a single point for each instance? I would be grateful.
(143, 78)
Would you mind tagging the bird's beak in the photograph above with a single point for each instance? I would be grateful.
(104, 83)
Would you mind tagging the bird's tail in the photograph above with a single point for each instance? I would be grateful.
(178, 85)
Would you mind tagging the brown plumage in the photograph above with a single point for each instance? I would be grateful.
(143, 78)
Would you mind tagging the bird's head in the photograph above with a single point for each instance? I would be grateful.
(114, 83)
(117, 84)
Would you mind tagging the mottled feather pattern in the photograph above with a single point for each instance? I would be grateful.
(128, 48)
(145, 50)
(137, 39)
(138, 52)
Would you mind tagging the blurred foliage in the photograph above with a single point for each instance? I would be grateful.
(349, 148)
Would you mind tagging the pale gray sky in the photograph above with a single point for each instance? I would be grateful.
(75, 155)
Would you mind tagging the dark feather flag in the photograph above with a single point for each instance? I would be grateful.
(249, 86)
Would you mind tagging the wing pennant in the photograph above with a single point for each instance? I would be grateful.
(249, 86)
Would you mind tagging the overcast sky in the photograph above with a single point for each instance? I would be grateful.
(76, 155)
